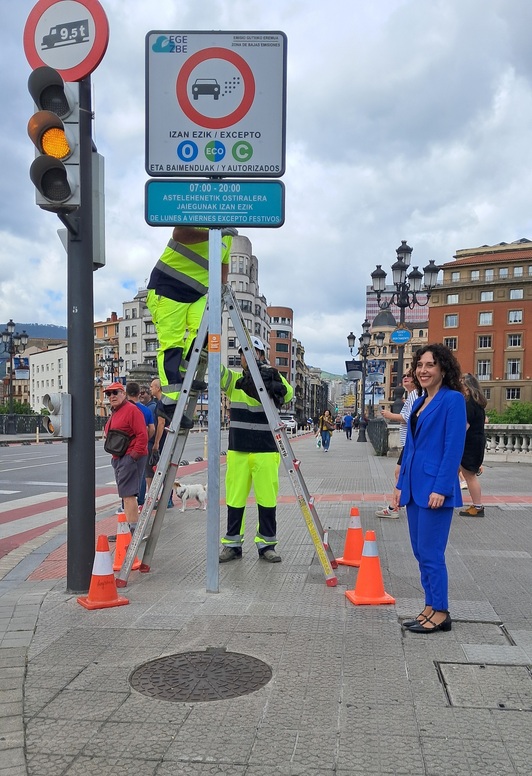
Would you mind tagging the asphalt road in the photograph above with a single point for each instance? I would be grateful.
(33, 470)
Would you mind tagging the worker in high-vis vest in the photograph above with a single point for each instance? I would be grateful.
(176, 300)
(252, 456)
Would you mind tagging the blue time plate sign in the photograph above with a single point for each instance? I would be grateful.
(215, 203)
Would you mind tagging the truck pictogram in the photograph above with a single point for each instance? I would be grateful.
(66, 34)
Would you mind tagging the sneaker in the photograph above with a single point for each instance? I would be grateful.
(463, 485)
(388, 512)
(472, 511)
(270, 556)
(229, 553)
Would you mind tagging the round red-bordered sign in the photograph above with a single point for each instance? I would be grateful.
(183, 99)
(91, 60)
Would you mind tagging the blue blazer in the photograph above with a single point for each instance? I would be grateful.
(431, 456)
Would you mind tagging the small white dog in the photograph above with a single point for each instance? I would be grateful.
(184, 492)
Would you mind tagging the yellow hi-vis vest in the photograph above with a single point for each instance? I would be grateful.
(182, 272)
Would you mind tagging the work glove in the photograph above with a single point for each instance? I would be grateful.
(154, 458)
(246, 384)
(275, 388)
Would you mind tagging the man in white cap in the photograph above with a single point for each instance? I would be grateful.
(252, 456)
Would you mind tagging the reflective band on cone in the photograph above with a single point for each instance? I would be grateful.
(369, 587)
(102, 590)
(354, 541)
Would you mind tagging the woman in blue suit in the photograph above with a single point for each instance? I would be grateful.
(428, 480)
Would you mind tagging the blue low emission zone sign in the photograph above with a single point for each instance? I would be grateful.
(214, 203)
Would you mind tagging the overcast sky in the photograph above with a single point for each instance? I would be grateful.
(406, 119)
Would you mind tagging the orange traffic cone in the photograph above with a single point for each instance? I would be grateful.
(102, 590)
(369, 588)
(354, 541)
(123, 540)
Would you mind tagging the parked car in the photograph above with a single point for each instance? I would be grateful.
(289, 421)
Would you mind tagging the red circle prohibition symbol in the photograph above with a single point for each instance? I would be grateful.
(222, 121)
(92, 59)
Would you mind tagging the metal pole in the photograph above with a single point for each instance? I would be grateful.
(214, 440)
(11, 425)
(400, 352)
(362, 424)
(81, 452)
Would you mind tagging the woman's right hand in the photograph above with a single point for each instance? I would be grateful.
(396, 497)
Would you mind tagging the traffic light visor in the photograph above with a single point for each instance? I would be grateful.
(53, 179)
(49, 92)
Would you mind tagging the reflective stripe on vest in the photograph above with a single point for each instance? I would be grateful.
(178, 255)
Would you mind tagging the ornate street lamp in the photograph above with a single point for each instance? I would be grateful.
(407, 288)
(111, 364)
(13, 343)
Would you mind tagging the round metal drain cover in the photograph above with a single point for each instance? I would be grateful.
(195, 677)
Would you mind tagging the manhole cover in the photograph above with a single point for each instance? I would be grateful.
(482, 686)
(196, 677)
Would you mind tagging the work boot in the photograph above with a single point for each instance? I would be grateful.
(229, 553)
(270, 556)
(472, 511)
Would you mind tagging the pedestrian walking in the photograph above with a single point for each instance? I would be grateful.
(475, 444)
(428, 479)
(325, 428)
(252, 457)
(348, 425)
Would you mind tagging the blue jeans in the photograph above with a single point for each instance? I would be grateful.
(325, 439)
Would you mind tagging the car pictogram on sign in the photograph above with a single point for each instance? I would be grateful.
(206, 86)
(66, 34)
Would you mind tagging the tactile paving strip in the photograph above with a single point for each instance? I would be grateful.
(196, 677)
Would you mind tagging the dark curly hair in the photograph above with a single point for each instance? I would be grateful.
(452, 372)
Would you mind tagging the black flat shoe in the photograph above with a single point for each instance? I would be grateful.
(446, 625)
(411, 623)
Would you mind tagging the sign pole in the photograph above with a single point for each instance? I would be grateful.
(214, 442)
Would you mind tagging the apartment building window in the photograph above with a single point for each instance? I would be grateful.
(489, 275)
(133, 313)
(484, 369)
(485, 319)
(484, 341)
(151, 346)
(515, 316)
(518, 272)
(503, 273)
(128, 349)
(475, 275)
(514, 340)
(513, 393)
(487, 393)
(257, 328)
(281, 361)
(282, 347)
(127, 331)
(133, 347)
(105, 331)
(530, 270)
(133, 331)
(455, 277)
(451, 342)
(246, 306)
(451, 321)
(127, 314)
(486, 296)
(280, 334)
(233, 361)
(516, 293)
(452, 298)
(513, 369)
(150, 328)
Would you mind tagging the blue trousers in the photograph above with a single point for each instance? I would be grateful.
(429, 533)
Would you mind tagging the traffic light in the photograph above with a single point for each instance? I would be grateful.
(54, 130)
(59, 421)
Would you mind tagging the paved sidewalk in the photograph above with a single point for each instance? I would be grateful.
(346, 690)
